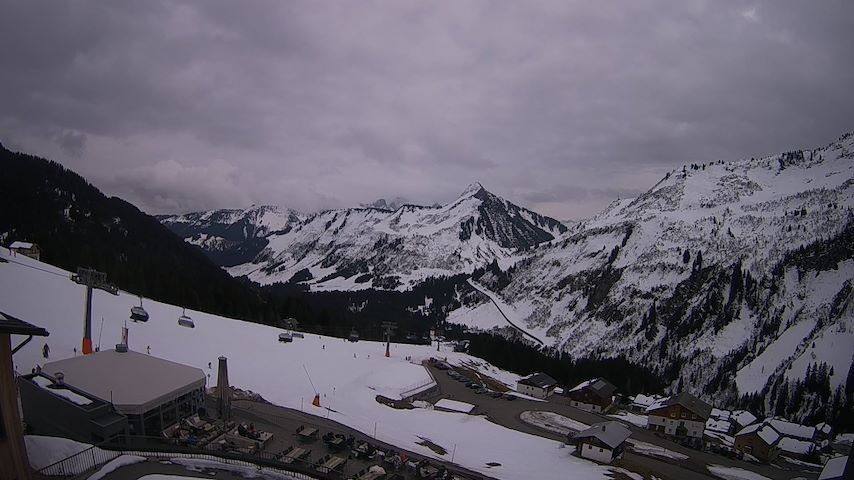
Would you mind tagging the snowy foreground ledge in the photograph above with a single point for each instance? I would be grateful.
(348, 376)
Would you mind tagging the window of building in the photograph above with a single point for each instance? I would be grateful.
(601, 451)
(672, 414)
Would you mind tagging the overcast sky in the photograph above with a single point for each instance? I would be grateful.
(558, 106)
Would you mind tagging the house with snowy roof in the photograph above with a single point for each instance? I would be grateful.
(793, 430)
(682, 416)
(766, 440)
(595, 395)
(640, 402)
(794, 448)
(721, 421)
(758, 440)
(823, 431)
(538, 385)
(27, 249)
(743, 418)
(602, 442)
(837, 468)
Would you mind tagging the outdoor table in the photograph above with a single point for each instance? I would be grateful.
(307, 433)
(331, 464)
(429, 471)
(294, 454)
(371, 476)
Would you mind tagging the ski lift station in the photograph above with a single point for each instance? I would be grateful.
(73, 397)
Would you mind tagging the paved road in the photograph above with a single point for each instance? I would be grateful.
(507, 413)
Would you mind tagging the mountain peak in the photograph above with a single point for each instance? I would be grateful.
(472, 189)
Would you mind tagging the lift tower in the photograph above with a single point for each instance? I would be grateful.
(389, 328)
(91, 279)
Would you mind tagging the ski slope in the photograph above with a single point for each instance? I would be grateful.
(348, 376)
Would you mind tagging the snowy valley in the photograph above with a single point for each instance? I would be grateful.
(729, 277)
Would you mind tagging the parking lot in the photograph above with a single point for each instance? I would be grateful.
(500, 408)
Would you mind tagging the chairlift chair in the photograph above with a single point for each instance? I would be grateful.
(138, 314)
(184, 320)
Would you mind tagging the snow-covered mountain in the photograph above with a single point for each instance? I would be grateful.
(369, 247)
(729, 276)
(384, 204)
(231, 237)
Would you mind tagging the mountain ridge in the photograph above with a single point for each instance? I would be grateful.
(334, 249)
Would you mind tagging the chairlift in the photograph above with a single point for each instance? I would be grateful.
(138, 314)
(184, 320)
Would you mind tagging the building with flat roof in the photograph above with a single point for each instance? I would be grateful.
(152, 392)
(56, 409)
(13, 452)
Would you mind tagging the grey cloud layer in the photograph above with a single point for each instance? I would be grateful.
(560, 106)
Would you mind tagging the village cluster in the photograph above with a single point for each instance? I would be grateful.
(687, 420)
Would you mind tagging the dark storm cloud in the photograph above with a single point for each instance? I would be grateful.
(561, 106)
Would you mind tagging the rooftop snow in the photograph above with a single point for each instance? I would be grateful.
(763, 430)
(455, 405)
(743, 417)
(792, 445)
(65, 393)
(609, 433)
(834, 468)
(792, 429)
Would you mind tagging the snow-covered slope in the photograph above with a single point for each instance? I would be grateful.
(743, 266)
(348, 376)
(360, 248)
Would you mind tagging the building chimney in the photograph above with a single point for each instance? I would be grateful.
(59, 377)
(223, 390)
